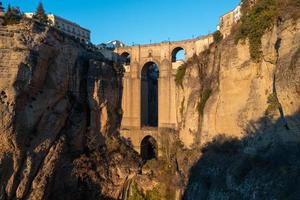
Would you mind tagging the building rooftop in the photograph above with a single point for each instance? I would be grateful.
(68, 21)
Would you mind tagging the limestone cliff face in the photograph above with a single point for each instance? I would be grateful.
(59, 105)
(236, 90)
(245, 116)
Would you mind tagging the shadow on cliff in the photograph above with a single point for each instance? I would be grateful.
(64, 94)
(264, 164)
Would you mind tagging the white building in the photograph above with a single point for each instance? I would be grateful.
(67, 27)
(237, 14)
(228, 20)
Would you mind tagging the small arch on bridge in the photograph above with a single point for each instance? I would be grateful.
(127, 58)
(178, 54)
(149, 95)
(149, 148)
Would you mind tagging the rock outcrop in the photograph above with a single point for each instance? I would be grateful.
(225, 92)
(60, 106)
(246, 118)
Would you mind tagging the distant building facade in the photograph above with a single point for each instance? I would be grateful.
(228, 20)
(67, 27)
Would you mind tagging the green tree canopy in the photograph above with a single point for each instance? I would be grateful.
(12, 15)
(40, 14)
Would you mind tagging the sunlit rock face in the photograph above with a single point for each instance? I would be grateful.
(240, 87)
(60, 107)
(59, 101)
(250, 125)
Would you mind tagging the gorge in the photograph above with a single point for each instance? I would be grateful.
(222, 124)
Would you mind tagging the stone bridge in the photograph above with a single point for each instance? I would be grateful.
(149, 94)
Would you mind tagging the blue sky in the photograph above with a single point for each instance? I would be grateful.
(137, 21)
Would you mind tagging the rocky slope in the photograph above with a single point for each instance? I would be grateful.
(246, 118)
(224, 91)
(60, 107)
(60, 114)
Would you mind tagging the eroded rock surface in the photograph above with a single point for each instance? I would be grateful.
(240, 87)
(60, 102)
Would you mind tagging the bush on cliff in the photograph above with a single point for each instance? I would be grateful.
(260, 17)
(254, 23)
(40, 14)
(218, 37)
(12, 16)
(180, 75)
(273, 104)
(204, 98)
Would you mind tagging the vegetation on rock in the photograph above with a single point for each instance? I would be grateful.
(40, 14)
(254, 23)
(260, 17)
(136, 193)
(180, 75)
(204, 97)
(274, 103)
(12, 16)
(157, 193)
(218, 37)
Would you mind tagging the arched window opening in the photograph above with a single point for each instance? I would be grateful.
(126, 57)
(148, 148)
(149, 95)
(178, 54)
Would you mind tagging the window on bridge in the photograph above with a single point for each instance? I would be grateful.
(148, 148)
(149, 95)
(178, 54)
(126, 57)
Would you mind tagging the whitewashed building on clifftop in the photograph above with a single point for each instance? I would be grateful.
(67, 27)
(228, 20)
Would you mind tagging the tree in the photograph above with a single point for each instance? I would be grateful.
(12, 15)
(40, 14)
(217, 37)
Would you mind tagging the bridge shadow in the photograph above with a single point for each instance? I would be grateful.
(264, 164)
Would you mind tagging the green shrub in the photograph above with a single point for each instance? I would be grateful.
(254, 23)
(135, 193)
(12, 16)
(273, 102)
(155, 194)
(40, 14)
(180, 75)
(218, 37)
(204, 97)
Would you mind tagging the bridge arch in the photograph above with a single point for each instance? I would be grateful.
(178, 54)
(149, 95)
(149, 148)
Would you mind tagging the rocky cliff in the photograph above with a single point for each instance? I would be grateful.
(60, 108)
(245, 116)
(60, 115)
(224, 91)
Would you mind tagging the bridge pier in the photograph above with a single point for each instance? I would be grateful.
(134, 100)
